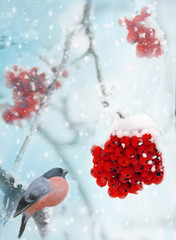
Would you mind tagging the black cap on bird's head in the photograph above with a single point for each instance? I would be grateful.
(55, 172)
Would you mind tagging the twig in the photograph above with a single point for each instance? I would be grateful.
(12, 193)
(91, 50)
(46, 98)
(59, 151)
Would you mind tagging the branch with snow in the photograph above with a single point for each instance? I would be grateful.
(12, 193)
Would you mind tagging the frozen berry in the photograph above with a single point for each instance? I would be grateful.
(125, 140)
(147, 138)
(132, 37)
(142, 149)
(152, 147)
(135, 188)
(135, 141)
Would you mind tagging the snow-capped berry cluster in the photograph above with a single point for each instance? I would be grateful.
(143, 30)
(126, 162)
(29, 87)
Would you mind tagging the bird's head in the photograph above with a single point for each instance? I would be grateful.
(55, 172)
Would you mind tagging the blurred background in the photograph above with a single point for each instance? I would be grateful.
(75, 118)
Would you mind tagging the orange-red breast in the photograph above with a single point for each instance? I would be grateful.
(46, 191)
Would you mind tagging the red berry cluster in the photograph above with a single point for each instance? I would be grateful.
(126, 163)
(148, 45)
(29, 87)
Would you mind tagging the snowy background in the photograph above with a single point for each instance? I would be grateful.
(75, 119)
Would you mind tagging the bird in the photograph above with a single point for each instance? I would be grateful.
(48, 190)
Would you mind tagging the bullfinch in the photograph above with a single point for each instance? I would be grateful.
(48, 190)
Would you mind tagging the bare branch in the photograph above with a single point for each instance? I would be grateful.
(46, 98)
(59, 151)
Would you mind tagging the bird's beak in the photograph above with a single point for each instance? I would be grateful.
(65, 173)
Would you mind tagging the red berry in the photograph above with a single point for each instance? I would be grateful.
(143, 160)
(135, 141)
(114, 183)
(124, 188)
(113, 157)
(142, 149)
(132, 37)
(119, 151)
(134, 161)
(95, 172)
(125, 140)
(24, 76)
(96, 160)
(138, 167)
(152, 147)
(157, 177)
(101, 182)
(124, 161)
(123, 179)
(130, 152)
(108, 166)
(117, 167)
(147, 179)
(108, 147)
(106, 175)
(114, 140)
(99, 165)
(148, 167)
(145, 12)
(147, 138)
(138, 19)
(113, 192)
(136, 178)
(9, 116)
(96, 150)
(127, 172)
(135, 188)
(104, 155)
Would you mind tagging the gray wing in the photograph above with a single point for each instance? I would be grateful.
(36, 190)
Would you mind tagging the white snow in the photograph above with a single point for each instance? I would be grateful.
(136, 125)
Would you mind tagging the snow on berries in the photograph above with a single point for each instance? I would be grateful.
(130, 158)
(29, 87)
(145, 33)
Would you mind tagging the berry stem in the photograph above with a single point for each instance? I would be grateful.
(91, 51)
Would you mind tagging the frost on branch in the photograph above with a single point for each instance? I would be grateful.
(130, 158)
(143, 30)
